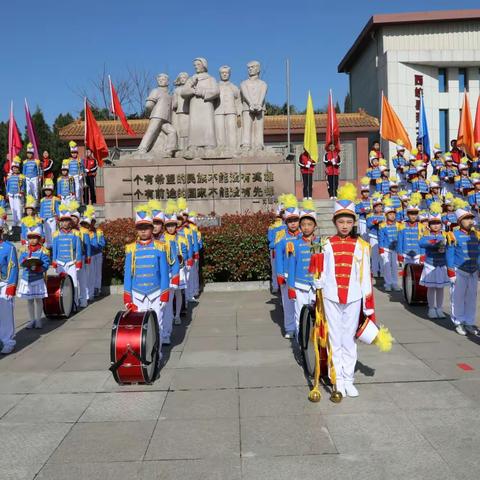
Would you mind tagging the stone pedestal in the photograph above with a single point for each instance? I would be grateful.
(228, 185)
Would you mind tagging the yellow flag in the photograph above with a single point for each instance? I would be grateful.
(310, 136)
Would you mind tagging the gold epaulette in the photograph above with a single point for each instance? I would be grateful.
(55, 233)
(130, 247)
(451, 238)
(46, 251)
(279, 235)
(160, 245)
(290, 248)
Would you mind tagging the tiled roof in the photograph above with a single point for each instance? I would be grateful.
(273, 124)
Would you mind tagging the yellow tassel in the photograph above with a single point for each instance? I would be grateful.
(384, 340)
(154, 205)
(29, 221)
(308, 205)
(182, 203)
(171, 207)
(365, 181)
(416, 198)
(2, 212)
(290, 201)
(73, 205)
(436, 207)
(90, 211)
(347, 192)
(459, 203)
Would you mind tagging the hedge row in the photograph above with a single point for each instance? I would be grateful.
(235, 251)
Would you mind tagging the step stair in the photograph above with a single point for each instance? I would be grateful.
(324, 209)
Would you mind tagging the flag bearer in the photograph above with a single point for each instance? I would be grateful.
(15, 188)
(32, 285)
(146, 279)
(32, 172)
(347, 289)
(49, 205)
(300, 280)
(374, 219)
(363, 207)
(65, 184)
(409, 250)
(387, 243)
(462, 262)
(8, 287)
(434, 273)
(291, 218)
(76, 170)
(67, 250)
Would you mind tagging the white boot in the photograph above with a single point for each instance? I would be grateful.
(440, 313)
(432, 313)
(31, 313)
(351, 390)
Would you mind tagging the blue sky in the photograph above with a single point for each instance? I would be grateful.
(52, 48)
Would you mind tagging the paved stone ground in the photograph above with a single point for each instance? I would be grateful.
(231, 402)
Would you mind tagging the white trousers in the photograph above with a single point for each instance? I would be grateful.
(31, 187)
(97, 263)
(49, 227)
(375, 255)
(304, 297)
(70, 269)
(390, 268)
(288, 310)
(274, 271)
(463, 295)
(150, 302)
(189, 290)
(78, 188)
(7, 319)
(83, 289)
(178, 302)
(16, 206)
(435, 297)
(168, 315)
(362, 228)
(342, 325)
(408, 259)
(195, 278)
(35, 309)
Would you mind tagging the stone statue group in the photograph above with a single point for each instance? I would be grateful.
(205, 118)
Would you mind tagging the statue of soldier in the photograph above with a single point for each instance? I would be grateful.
(253, 92)
(226, 111)
(180, 107)
(159, 104)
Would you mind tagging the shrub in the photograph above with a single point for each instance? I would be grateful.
(235, 251)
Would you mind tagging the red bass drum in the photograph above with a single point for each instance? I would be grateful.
(60, 300)
(134, 347)
(413, 292)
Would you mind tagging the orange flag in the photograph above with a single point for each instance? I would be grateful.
(391, 128)
(465, 128)
(94, 138)
(476, 128)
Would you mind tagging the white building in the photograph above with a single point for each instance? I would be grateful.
(436, 51)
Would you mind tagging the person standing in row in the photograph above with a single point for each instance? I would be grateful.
(307, 169)
(32, 173)
(90, 166)
(15, 189)
(47, 166)
(76, 170)
(332, 162)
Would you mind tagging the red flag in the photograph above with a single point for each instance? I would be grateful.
(14, 138)
(465, 128)
(476, 128)
(333, 130)
(117, 110)
(94, 139)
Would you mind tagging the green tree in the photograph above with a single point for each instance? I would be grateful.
(347, 104)
(43, 131)
(272, 109)
(337, 108)
(58, 147)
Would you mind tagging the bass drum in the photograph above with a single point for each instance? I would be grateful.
(60, 300)
(413, 292)
(135, 347)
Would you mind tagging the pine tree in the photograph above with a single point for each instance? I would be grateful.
(59, 148)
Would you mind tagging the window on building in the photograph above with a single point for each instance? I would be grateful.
(442, 80)
(443, 123)
(462, 80)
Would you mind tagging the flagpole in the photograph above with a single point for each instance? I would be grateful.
(112, 108)
(10, 132)
(287, 72)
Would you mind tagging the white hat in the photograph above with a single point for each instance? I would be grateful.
(308, 210)
(143, 215)
(35, 231)
(345, 203)
(437, 148)
(400, 146)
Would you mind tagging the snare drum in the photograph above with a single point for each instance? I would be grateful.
(60, 290)
(134, 347)
(413, 292)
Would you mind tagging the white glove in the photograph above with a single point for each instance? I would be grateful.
(317, 283)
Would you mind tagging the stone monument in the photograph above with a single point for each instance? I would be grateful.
(205, 143)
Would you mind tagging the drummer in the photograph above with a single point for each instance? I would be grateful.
(49, 211)
(34, 261)
(434, 274)
(409, 250)
(67, 250)
(8, 287)
(146, 276)
(347, 289)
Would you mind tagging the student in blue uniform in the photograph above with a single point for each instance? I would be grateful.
(32, 172)
(463, 185)
(474, 196)
(15, 189)
(76, 169)
(271, 233)
(8, 287)
(437, 160)
(374, 219)
(48, 211)
(363, 207)
(400, 163)
(65, 184)
(409, 250)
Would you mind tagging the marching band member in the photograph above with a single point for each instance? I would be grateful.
(374, 219)
(271, 232)
(76, 170)
(462, 262)
(474, 196)
(8, 286)
(400, 163)
(383, 183)
(448, 174)
(157, 217)
(387, 243)
(412, 172)
(393, 195)
(363, 207)
(332, 162)
(67, 250)
(404, 199)
(291, 218)
(30, 213)
(97, 244)
(462, 184)
(423, 217)
(299, 252)
(90, 167)
(169, 239)
(419, 182)
(15, 188)
(449, 219)
(197, 247)
(434, 194)
(32, 285)
(47, 166)
(32, 172)
(437, 161)
(434, 274)
(476, 160)
(185, 229)
(409, 250)
(421, 155)
(49, 211)
(65, 184)
(146, 278)
(347, 289)
(374, 174)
